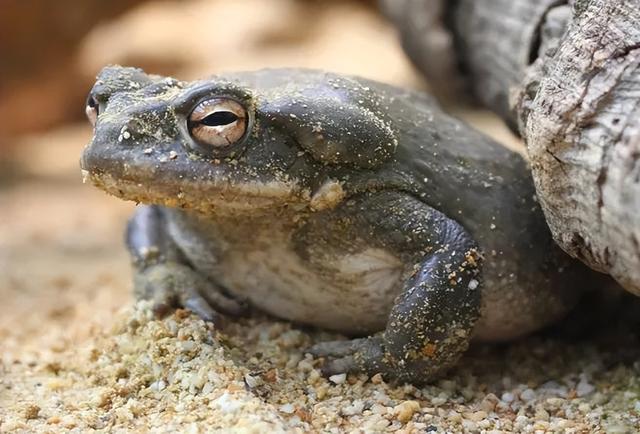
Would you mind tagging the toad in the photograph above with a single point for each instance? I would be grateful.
(331, 201)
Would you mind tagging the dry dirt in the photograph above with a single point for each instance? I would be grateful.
(77, 354)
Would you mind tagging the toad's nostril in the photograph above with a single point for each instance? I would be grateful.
(92, 109)
(91, 101)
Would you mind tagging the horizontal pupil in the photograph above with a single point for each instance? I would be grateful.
(217, 119)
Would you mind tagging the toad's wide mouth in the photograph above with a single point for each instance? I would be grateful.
(181, 182)
(208, 197)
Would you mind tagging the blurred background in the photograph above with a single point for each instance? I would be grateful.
(63, 267)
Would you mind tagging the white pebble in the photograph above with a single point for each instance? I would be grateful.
(251, 381)
(438, 400)
(584, 388)
(227, 404)
(528, 395)
(507, 397)
(187, 346)
(469, 425)
(338, 378)
(287, 408)
(355, 408)
(379, 409)
(158, 385)
(305, 365)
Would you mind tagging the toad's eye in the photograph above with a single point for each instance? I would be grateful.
(91, 110)
(218, 122)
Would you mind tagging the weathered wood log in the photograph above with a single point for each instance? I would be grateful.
(566, 75)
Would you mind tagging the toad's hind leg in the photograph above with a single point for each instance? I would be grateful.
(432, 320)
(162, 275)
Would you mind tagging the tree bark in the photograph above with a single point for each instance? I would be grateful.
(494, 41)
(566, 75)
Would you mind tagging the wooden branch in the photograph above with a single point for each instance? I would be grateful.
(579, 112)
(494, 41)
(567, 76)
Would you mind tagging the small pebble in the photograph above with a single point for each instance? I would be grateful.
(287, 408)
(405, 410)
(469, 425)
(476, 416)
(489, 402)
(584, 388)
(355, 408)
(377, 379)
(379, 409)
(507, 397)
(31, 411)
(528, 395)
(438, 400)
(251, 381)
(338, 378)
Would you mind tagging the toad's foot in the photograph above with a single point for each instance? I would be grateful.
(356, 355)
(170, 285)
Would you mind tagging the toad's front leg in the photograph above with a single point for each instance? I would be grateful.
(431, 322)
(162, 275)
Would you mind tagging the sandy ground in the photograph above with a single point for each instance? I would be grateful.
(78, 355)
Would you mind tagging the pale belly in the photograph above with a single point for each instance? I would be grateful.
(350, 293)
(353, 295)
